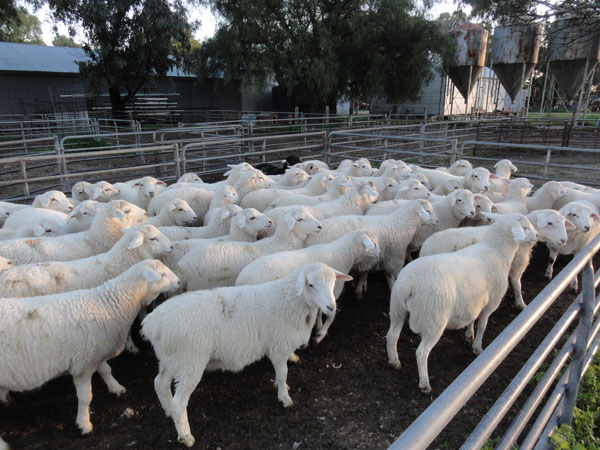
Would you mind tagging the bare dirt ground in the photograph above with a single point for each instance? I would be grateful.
(346, 395)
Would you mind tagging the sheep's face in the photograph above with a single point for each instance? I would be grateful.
(412, 190)
(460, 168)
(480, 179)
(78, 192)
(189, 178)
(556, 189)
(527, 232)
(301, 222)
(341, 184)
(580, 215)
(368, 191)
(159, 278)
(45, 228)
(182, 213)
(311, 167)
(370, 244)
(520, 186)
(84, 213)
(294, 176)
(483, 205)
(253, 221)
(153, 241)
(230, 195)
(5, 264)
(504, 168)
(126, 213)
(147, 186)
(388, 189)
(316, 282)
(422, 178)
(427, 213)
(103, 191)
(463, 202)
(552, 227)
(56, 201)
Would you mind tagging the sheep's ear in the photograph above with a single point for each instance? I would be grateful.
(117, 213)
(291, 222)
(496, 165)
(595, 216)
(518, 232)
(569, 225)
(242, 220)
(300, 283)
(342, 276)
(355, 164)
(139, 183)
(137, 240)
(44, 201)
(513, 167)
(160, 182)
(404, 187)
(71, 215)
(452, 200)
(224, 215)
(494, 209)
(38, 230)
(88, 189)
(369, 245)
(97, 193)
(543, 221)
(150, 275)
(493, 176)
(173, 207)
(424, 214)
(491, 216)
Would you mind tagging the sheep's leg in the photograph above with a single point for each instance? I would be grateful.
(130, 346)
(4, 397)
(393, 334)
(470, 332)
(391, 279)
(481, 326)
(294, 358)
(322, 331)
(83, 386)
(574, 284)
(552, 259)
(113, 385)
(361, 286)
(183, 390)
(515, 281)
(162, 386)
(281, 371)
(423, 350)
(319, 320)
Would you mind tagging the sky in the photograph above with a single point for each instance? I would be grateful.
(208, 22)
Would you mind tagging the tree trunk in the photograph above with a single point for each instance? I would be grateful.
(116, 102)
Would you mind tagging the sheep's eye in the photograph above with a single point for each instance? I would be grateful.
(300, 219)
(252, 218)
(459, 200)
(153, 239)
(84, 213)
(416, 189)
(53, 200)
(180, 210)
(310, 285)
(550, 224)
(162, 275)
(477, 206)
(128, 211)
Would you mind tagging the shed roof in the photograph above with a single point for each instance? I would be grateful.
(42, 58)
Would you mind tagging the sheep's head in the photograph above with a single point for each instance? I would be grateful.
(340, 184)
(301, 222)
(412, 189)
(127, 214)
(426, 212)
(5, 264)
(229, 194)
(226, 212)
(520, 186)
(555, 188)
(504, 168)
(519, 225)
(54, 200)
(84, 213)
(181, 212)
(102, 191)
(580, 215)
(78, 191)
(158, 277)
(460, 168)
(362, 168)
(313, 167)
(368, 191)
(484, 204)
(148, 240)
(463, 202)
(189, 178)
(479, 179)
(147, 186)
(369, 243)
(46, 227)
(252, 221)
(552, 226)
(294, 176)
(315, 282)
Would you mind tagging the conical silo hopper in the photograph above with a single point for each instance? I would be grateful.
(467, 64)
(515, 52)
(573, 50)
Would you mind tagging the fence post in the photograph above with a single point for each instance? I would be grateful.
(24, 175)
(62, 165)
(547, 164)
(421, 143)
(327, 114)
(263, 149)
(177, 159)
(580, 350)
(453, 154)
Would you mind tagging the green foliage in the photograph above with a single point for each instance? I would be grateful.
(129, 42)
(446, 20)
(321, 50)
(20, 27)
(65, 41)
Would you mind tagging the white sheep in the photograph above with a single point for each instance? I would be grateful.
(5, 264)
(102, 235)
(54, 200)
(245, 225)
(447, 187)
(7, 208)
(389, 163)
(250, 181)
(359, 168)
(460, 167)
(174, 213)
(224, 195)
(75, 333)
(340, 254)
(452, 290)
(477, 180)
(30, 280)
(218, 225)
(483, 204)
(586, 219)
(140, 192)
(102, 191)
(230, 328)
(292, 177)
(394, 232)
(412, 189)
(515, 200)
(573, 195)
(190, 177)
(578, 187)
(551, 226)
(198, 198)
(78, 193)
(337, 187)
(42, 227)
(313, 166)
(545, 196)
(505, 168)
(219, 263)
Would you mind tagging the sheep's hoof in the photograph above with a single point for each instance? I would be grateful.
(188, 440)
(548, 274)
(395, 364)
(132, 348)
(520, 306)
(469, 339)
(118, 391)
(85, 427)
(287, 402)
(294, 359)
(319, 337)
(477, 350)
(425, 389)
(6, 399)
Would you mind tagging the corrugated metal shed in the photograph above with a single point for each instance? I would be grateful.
(41, 58)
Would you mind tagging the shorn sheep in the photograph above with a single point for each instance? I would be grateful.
(219, 263)
(230, 328)
(218, 225)
(452, 290)
(175, 213)
(75, 333)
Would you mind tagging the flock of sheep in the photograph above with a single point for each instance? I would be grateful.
(263, 272)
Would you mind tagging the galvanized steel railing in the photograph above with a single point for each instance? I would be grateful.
(558, 409)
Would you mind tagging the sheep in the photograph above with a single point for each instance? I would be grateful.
(389, 163)
(54, 200)
(174, 213)
(340, 254)
(261, 199)
(394, 232)
(477, 180)
(483, 204)
(460, 167)
(578, 187)
(314, 166)
(75, 333)
(42, 227)
(292, 177)
(545, 196)
(505, 168)
(586, 219)
(452, 290)
(7, 208)
(102, 235)
(218, 225)
(198, 198)
(572, 195)
(359, 168)
(219, 263)
(337, 187)
(450, 211)
(53, 205)
(245, 226)
(235, 171)
(140, 192)
(446, 187)
(230, 328)
(190, 177)
(224, 195)
(355, 201)
(551, 227)
(412, 189)
(250, 181)
(516, 197)
(78, 192)
(102, 191)
(5, 264)
(136, 244)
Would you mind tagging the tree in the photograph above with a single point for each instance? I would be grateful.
(531, 10)
(446, 20)
(65, 41)
(129, 42)
(21, 27)
(321, 50)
